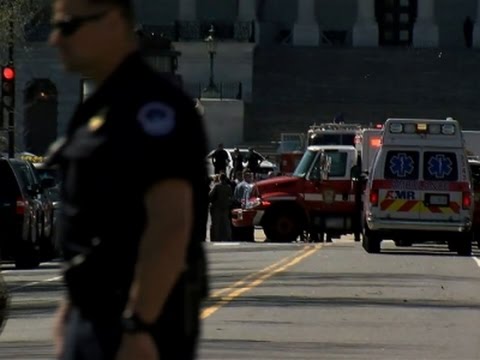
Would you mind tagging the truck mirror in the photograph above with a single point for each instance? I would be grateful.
(325, 164)
(355, 172)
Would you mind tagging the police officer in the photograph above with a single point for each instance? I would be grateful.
(133, 218)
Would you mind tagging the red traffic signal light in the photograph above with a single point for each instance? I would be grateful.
(8, 73)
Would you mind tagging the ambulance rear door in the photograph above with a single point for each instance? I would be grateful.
(399, 194)
(445, 181)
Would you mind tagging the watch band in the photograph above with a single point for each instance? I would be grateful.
(132, 323)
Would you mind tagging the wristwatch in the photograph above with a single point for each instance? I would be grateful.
(132, 323)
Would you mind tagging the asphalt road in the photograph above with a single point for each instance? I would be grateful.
(301, 301)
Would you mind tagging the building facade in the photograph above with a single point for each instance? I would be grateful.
(289, 62)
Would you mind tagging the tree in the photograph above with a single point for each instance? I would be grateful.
(22, 15)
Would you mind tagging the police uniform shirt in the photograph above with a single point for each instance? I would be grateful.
(121, 141)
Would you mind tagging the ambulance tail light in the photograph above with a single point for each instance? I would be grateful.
(466, 200)
(374, 197)
(376, 142)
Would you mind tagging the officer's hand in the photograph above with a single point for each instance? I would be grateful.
(137, 346)
(59, 327)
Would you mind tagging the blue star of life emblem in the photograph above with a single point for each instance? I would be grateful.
(440, 166)
(401, 165)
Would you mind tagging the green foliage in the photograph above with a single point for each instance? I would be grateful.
(20, 13)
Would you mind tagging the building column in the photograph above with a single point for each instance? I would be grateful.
(247, 27)
(476, 28)
(189, 27)
(365, 30)
(187, 10)
(306, 31)
(425, 31)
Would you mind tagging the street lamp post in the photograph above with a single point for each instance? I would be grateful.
(211, 44)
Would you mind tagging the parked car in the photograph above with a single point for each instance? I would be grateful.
(50, 174)
(26, 214)
(266, 166)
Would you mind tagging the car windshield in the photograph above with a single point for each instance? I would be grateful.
(45, 173)
(24, 174)
(49, 173)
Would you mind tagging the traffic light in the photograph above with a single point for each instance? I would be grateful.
(8, 87)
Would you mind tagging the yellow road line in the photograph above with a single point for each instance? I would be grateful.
(219, 292)
(259, 277)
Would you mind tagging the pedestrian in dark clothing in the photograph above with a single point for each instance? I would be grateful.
(254, 159)
(220, 160)
(135, 279)
(237, 165)
(221, 200)
(468, 31)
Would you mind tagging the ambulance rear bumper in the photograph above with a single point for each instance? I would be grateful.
(379, 224)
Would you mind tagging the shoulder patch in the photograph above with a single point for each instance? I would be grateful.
(157, 118)
(96, 123)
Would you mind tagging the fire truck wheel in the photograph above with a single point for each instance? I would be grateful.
(464, 247)
(452, 245)
(283, 225)
(356, 236)
(371, 242)
(476, 237)
(402, 242)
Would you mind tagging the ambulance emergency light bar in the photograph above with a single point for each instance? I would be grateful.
(422, 128)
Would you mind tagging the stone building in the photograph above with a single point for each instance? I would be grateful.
(281, 65)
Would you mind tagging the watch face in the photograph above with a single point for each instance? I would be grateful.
(133, 324)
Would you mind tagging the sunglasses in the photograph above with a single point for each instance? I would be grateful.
(71, 25)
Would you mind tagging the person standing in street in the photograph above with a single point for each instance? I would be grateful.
(254, 159)
(240, 195)
(131, 230)
(220, 160)
(237, 165)
(220, 204)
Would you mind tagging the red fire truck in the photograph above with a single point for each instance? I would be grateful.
(293, 145)
(321, 197)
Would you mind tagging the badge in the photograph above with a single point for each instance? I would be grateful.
(157, 118)
(96, 122)
(328, 196)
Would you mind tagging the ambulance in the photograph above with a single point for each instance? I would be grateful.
(419, 187)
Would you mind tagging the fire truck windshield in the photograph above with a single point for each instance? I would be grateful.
(305, 163)
(331, 139)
